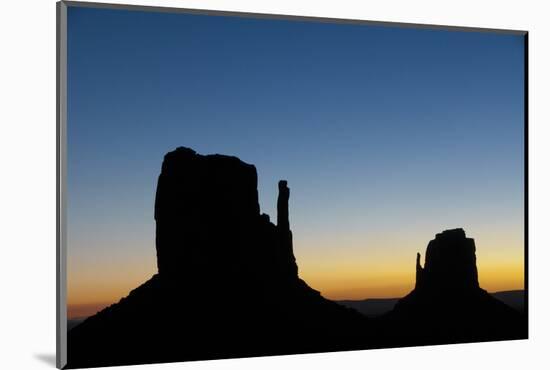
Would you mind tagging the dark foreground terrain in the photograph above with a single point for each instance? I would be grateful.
(228, 285)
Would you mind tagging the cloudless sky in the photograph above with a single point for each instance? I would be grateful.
(386, 135)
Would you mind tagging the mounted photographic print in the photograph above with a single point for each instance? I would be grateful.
(237, 185)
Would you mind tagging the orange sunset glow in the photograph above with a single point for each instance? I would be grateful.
(385, 135)
(367, 273)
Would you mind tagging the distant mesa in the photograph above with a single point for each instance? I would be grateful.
(228, 284)
(376, 307)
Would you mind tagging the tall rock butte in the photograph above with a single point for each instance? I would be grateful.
(208, 223)
(227, 282)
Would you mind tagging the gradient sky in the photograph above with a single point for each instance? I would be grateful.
(386, 136)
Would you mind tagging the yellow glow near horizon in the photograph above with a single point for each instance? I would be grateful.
(347, 272)
(388, 270)
(345, 283)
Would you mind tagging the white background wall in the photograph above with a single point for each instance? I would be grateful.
(27, 182)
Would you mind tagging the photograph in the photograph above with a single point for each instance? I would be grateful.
(244, 184)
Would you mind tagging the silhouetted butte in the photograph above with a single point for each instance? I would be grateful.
(447, 304)
(227, 282)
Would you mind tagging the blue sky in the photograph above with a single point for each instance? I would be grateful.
(379, 130)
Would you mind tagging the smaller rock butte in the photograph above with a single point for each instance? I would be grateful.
(450, 263)
(447, 304)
